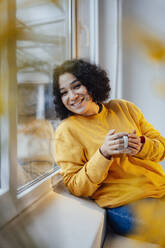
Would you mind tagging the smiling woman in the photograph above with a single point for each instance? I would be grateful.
(110, 155)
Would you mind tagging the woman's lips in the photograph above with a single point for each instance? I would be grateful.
(77, 104)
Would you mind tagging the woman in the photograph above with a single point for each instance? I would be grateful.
(107, 151)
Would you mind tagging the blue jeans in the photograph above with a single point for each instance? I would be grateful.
(121, 219)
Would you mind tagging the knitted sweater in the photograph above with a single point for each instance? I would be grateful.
(123, 178)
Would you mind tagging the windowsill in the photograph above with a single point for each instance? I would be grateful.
(80, 221)
(53, 177)
(12, 205)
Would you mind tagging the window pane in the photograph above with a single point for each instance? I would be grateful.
(43, 41)
(0, 149)
(5, 39)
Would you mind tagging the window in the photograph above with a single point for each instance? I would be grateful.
(43, 41)
(4, 168)
(4, 84)
(35, 36)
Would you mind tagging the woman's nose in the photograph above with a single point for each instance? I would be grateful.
(73, 95)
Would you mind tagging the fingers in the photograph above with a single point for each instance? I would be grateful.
(127, 151)
(133, 145)
(117, 147)
(114, 143)
(112, 135)
(132, 136)
(133, 151)
(134, 141)
(118, 135)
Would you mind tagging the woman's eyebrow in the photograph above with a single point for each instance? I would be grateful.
(74, 81)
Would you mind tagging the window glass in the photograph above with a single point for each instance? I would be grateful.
(43, 41)
(5, 31)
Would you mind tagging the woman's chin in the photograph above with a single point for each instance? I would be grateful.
(79, 110)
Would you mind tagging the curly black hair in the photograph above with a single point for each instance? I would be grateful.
(90, 75)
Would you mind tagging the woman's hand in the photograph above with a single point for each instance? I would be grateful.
(134, 143)
(114, 144)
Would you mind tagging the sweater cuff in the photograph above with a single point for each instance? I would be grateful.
(98, 167)
(107, 157)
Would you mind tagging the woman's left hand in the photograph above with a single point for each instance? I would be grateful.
(134, 143)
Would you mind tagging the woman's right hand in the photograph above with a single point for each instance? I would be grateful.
(114, 144)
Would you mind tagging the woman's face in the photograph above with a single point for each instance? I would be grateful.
(74, 95)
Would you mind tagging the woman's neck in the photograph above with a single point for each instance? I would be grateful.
(94, 109)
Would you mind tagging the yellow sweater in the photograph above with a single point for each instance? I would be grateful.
(122, 179)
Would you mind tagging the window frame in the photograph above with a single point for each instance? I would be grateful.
(11, 203)
(88, 30)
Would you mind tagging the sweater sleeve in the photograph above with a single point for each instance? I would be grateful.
(154, 146)
(82, 177)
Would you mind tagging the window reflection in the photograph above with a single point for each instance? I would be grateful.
(43, 41)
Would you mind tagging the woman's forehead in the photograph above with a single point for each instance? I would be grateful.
(66, 79)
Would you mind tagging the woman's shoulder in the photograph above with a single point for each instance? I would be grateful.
(63, 128)
(124, 106)
(118, 103)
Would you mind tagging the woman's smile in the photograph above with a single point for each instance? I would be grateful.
(78, 103)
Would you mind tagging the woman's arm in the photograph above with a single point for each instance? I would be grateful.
(154, 146)
(82, 177)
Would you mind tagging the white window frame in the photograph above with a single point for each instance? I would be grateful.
(11, 203)
(94, 31)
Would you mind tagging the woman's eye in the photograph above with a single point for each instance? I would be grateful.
(77, 86)
(63, 93)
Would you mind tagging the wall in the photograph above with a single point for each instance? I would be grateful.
(108, 39)
(144, 58)
(136, 63)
